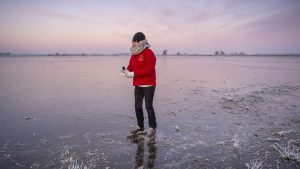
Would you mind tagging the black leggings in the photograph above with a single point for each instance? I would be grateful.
(139, 94)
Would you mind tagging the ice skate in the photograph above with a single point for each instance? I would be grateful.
(136, 132)
(151, 135)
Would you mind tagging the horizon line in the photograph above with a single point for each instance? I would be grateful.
(158, 54)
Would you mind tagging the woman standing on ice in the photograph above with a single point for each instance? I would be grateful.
(142, 69)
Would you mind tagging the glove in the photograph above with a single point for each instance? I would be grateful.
(126, 73)
(129, 74)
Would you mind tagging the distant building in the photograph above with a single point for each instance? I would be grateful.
(221, 52)
(165, 52)
(239, 54)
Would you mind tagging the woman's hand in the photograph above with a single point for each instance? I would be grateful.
(126, 73)
(129, 74)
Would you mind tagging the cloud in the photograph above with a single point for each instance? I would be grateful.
(52, 13)
(280, 21)
(203, 16)
(195, 22)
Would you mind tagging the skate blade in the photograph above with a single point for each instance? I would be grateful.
(136, 135)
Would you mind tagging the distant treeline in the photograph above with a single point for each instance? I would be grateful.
(63, 54)
(4, 54)
(128, 54)
(86, 54)
(233, 55)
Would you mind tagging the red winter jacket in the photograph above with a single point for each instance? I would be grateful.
(143, 66)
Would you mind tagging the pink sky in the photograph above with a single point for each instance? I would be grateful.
(193, 26)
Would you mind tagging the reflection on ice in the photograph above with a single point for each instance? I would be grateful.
(150, 153)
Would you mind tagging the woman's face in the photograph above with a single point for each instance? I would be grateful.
(134, 44)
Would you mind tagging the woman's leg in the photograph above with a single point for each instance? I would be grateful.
(149, 94)
(138, 97)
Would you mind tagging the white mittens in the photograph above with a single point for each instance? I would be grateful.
(129, 74)
(126, 73)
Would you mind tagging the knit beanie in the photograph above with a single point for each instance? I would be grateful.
(139, 36)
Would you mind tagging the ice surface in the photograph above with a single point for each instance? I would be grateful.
(212, 112)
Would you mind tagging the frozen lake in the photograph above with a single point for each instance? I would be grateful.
(212, 112)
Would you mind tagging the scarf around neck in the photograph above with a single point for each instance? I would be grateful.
(140, 47)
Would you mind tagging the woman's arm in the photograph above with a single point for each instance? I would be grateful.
(129, 67)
